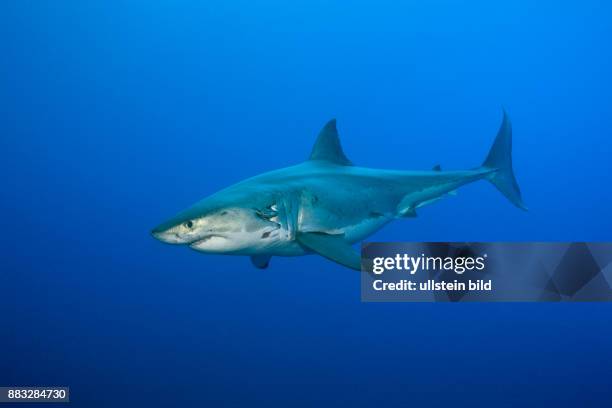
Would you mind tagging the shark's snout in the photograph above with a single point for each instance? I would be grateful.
(157, 233)
(166, 236)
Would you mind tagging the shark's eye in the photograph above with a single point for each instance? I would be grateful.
(189, 224)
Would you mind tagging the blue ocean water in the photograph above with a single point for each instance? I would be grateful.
(115, 115)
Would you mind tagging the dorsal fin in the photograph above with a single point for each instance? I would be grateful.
(327, 147)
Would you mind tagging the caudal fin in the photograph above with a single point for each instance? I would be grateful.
(500, 160)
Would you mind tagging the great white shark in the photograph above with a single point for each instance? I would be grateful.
(325, 204)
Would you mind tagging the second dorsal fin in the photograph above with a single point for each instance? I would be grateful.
(328, 148)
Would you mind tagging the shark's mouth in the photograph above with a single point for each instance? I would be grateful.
(205, 238)
(208, 240)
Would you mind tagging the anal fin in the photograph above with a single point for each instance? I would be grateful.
(333, 247)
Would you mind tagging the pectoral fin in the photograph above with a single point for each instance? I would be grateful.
(333, 247)
(261, 261)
